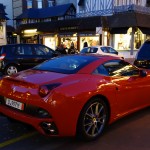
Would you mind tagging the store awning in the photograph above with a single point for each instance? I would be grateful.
(10, 28)
(70, 25)
(145, 30)
(119, 30)
(143, 20)
(122, 20)
(129, 19)
(89, 23)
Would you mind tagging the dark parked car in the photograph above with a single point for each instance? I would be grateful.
(17, 57)
(142, 59)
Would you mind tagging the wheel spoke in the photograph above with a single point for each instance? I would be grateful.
(100, 110)
(88, 115)
(93, 130)
(88, 124)
(88, 129)
(101, 119)
(92, 111)
(96, 109)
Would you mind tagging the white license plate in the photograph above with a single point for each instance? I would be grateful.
(14, 104)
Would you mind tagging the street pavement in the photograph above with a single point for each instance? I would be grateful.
(129, 133)
(130, 60)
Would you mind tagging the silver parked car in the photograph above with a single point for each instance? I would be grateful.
(104, 50)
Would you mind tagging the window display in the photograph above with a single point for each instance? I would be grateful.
(123, 41)
(89, 41)
(50, 42)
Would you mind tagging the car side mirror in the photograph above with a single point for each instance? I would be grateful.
(143, 73)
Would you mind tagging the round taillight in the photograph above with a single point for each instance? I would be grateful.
(43, 91)
(2, 56)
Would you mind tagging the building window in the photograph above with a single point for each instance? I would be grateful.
(39, 3)
(50, 3)
(29, 4)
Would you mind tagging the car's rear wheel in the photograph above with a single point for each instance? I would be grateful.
(92, 120)
(11, 69)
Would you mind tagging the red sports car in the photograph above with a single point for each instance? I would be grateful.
(75, 94)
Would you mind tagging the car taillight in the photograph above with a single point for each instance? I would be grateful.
(2, 56)
(45, 89)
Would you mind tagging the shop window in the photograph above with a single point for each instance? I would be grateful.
(69, 41)
(91, 41)
(50, 3)
(123, 41)
(39, 3)
(29, 4)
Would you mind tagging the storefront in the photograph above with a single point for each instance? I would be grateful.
(128, 30)
(67, 32)
(123, 41)
(50, 40)
(91, 39)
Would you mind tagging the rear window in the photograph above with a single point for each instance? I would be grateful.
(144, 52)
(43, 50)
(89, 50)
(66, 64)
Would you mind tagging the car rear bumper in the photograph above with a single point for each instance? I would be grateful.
(45, 126)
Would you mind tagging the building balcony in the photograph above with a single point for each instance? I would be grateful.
(114, 10)
(135, 8)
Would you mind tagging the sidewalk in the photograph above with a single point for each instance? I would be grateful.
(127, 56)
(130, 60)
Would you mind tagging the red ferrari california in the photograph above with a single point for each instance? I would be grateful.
(75, 94)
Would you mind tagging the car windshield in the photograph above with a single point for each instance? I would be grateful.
(89, 50)
(144, 52)
(66, 64)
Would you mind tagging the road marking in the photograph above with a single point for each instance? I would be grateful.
(17, 139)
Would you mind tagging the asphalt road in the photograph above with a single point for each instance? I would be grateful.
(129, 133)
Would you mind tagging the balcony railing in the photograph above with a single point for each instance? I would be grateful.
(135, 8)
(116, 9)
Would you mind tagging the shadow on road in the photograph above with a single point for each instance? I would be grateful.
(129, 133)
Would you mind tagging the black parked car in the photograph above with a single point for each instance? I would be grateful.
(17, 57)
(142, 59)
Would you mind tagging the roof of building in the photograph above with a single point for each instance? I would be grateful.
(70, 25)
(54, 11)
(2, 12)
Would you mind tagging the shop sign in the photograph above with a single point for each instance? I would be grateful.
(68, 28)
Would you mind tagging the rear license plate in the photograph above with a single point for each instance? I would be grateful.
(14, 104)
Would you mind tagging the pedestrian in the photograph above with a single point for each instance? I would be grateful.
(71, 49)
(85, 44)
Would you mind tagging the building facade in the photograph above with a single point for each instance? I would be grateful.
(123, 24)
(3, 19)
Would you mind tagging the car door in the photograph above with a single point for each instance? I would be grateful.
(112, 51)
(43, 53)
(132, 90)
(24, 56)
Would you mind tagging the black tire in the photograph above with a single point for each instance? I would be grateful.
(11, 69)
(11, 120)
(92, 120)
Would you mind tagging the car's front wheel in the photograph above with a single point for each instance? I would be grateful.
(11, 69)
(93, 119)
